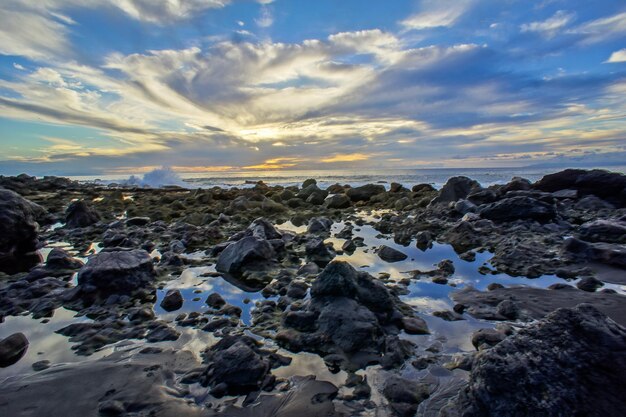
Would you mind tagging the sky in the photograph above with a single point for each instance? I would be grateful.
(91, 87)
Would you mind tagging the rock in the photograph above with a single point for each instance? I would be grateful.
(589, 284)
(237, 363)
(310, 181)
(80, 214)
(483, 196)
(172, 301)
(248, 253)
(572, 363)
(348, 246)
(41, 365)
(337, 201)
(564, 194)
(606, 253)
(606, 185)
(137, 221)
(118, 271)
(215, 301)
(404, 395)
(307, 192)
(603, 231)
(464, 207)
(508, 309)
(338, 279)
(389, 254)
(263, 229)
(516, 184)
(414, 325)
(423, 240)
(319, 225)
(18, 231)
(485, 338)
(12, 348)
(518, 208)
(456, 188)
(395, 187)
(365, 192)
(317, 251)
(60, 259)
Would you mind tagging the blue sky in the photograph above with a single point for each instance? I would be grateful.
(106, 86)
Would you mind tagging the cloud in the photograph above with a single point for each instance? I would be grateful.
(551, 26)
(617, 56)
(266, 18)
(603, 29)
(443, 13)
(166, 11)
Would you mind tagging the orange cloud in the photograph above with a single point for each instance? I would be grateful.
(351, 157)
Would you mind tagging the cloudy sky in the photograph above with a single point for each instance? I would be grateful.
(112, 86)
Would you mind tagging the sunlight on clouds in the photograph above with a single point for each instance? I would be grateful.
(442, 13)
(346, 158)
(617, 56)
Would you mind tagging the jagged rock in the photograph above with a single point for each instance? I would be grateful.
(249, 252)
(456, 188)
(118, 271)
(80, 214)
(18, 231)
(572, 363)
(319, 225)
(405, 395)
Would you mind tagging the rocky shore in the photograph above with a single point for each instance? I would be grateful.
(508, 300)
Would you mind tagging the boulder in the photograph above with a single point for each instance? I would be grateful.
(610, 186)
(611, 231)
(249, 252)
(172, 301)
(572, 363)
(319, 225)
(12, 348)
(404, 395)
(337, 201)
(118, 271)
(456, 188)
(18, 230)
(365, 192)
(518, 208)
(80, 214)
(237, 365)
(263, 229)
(391, 255)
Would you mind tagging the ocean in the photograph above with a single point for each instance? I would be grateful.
(407, 177)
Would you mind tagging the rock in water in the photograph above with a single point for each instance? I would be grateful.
(248, 252)
(457, 188)
(12, 349)
(80, 214)
(572, 363)
(391, 255)
(118, 271)
(610, 186)
(18, 230)
(172, 301)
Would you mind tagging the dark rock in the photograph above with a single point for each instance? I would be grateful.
(518, 208)
(414, 325)
(337, 201)
(118, 271)
(80, 214)
(60, 259)
(572, 363)
(319, 225)
(263, 229)
(404, 395)
(310, 181)
(606, 185)
(589, 284)
(237, 363)
(485, 338)
(172, 301)
(249, 252)
(18, 231)
(137, 221)
(603, 231)
(41, 365)
(456, 188)
(606, 253)
(317, 251)
(389, 254)
(338, 279)
(12, 348)
(215, 301)
(365, 192)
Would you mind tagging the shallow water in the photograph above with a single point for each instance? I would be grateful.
(197, 282)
